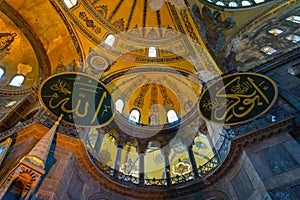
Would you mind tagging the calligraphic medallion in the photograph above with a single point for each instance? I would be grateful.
(237, 98)
(83, 100)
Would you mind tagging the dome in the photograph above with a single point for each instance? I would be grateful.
(128, 80)
(156, 137)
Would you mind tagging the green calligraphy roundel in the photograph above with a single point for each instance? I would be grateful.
(237, 98)
(81, 99)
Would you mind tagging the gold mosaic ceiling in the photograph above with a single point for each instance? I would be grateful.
(126, 15)
(146, 23)
(122, 15)
(72, 34)
(17, 56)
(137, 26)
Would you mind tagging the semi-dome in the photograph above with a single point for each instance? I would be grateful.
(154, 58)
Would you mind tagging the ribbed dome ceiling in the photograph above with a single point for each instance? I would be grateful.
(155, 93)
(130, 14)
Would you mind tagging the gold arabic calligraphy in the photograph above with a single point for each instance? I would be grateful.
(236, 99)
(62, 98)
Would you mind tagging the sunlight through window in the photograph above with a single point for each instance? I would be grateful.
(70, 3)
(275, 31)
(120, 105)
(268, 50)
(172, 116)
(246, 3)
(1, 72)
(152, 52)
(110, 40)
(293, 38)
(134, 115)
(232, 4)
(17, 81)
(295, 19)
(219, 3)
(259, 1)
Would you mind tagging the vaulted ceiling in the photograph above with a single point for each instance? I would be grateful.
(191, 42)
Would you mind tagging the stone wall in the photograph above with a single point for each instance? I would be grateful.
(65, 179)
(268, 169)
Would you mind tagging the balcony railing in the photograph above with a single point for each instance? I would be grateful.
(198, 173)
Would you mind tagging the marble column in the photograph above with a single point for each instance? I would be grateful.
(99, 142)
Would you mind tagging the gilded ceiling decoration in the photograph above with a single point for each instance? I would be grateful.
(17, 56)
(156, 5)
(125, 16)
(152, 58)
(5, 41)
(154, 91)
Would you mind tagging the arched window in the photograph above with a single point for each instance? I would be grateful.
(70, 3)
(153, 119)
(246, 3)
(232, 4)
(152, 52)
(172, 116)
(110, 40)
(293, 38)
(259, 1)
(268, 50)
(2, 72)
(295, 19)
(220, 3)
(135, 115)
(17, 81)
(120, 105)
(275, 31)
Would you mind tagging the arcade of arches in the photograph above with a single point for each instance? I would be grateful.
(155, 58)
